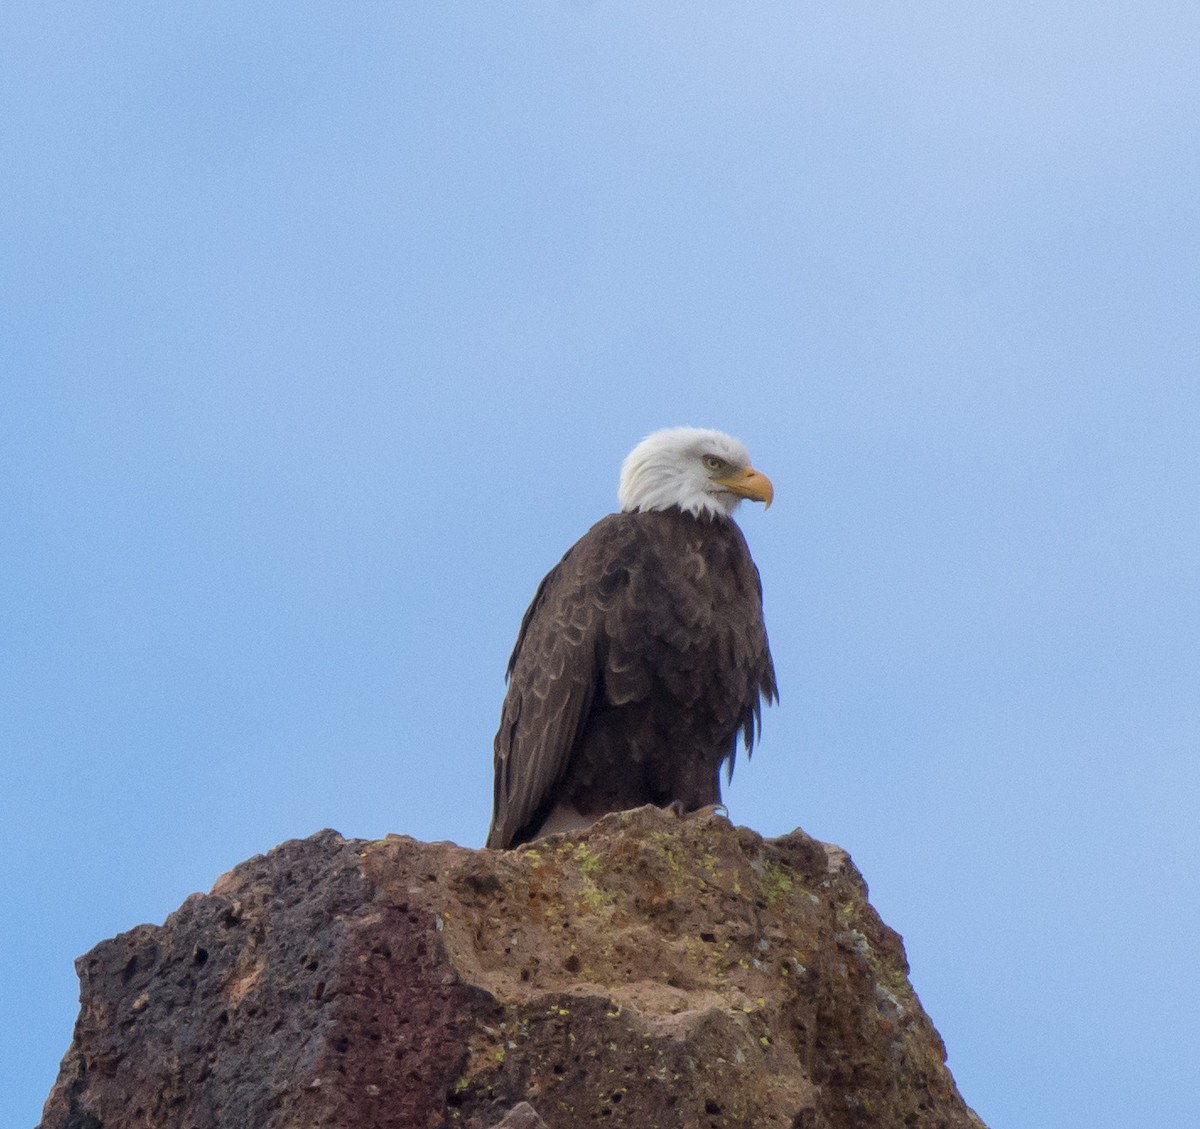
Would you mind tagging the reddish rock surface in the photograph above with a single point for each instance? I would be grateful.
(650, 972)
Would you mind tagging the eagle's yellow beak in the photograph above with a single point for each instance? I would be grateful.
(749, 483)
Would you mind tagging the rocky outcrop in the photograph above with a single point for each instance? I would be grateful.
(649, 972)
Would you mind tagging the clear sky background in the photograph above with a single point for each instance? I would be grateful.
(324, 330)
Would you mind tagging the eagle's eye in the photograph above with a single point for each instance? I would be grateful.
(713, 463)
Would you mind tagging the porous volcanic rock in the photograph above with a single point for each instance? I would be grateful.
(651, 972)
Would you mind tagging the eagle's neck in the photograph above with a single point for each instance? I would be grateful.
(682, 496)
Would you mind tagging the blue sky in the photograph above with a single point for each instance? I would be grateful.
(325, 328)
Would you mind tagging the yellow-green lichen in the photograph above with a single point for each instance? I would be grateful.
(580, 853)
(591, 897)
(776, 883)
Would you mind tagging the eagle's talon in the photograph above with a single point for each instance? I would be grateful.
(708, 809)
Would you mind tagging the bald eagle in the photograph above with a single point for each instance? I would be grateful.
(643, 654)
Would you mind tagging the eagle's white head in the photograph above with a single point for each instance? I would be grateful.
(704, 473)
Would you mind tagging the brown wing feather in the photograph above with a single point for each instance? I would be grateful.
(552, 674)
(639, 661)
(752, 652)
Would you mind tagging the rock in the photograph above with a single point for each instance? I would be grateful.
(648, 972)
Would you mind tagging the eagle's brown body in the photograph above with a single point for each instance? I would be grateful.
(639, 662)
